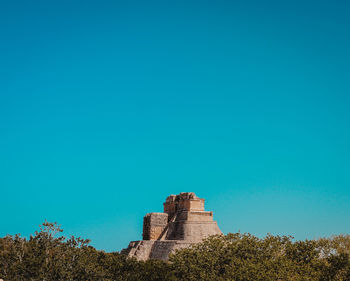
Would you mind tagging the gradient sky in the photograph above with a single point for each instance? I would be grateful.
(107, 107)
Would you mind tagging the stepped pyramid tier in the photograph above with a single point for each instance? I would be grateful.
(184, 222)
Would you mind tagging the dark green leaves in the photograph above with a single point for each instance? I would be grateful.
(242, 257)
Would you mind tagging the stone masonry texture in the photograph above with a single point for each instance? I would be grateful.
(183, 223)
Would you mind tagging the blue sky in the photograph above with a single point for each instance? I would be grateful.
(107, 107)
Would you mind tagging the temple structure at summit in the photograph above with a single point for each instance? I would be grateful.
(183, 223)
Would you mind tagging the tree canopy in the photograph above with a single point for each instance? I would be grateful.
(48, 255)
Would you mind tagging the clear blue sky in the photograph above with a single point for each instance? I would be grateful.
(107, 107)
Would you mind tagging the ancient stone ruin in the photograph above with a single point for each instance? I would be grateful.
(183, 223)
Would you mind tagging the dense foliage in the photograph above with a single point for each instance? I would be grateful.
(49, 256)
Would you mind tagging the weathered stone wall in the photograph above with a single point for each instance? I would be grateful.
(186, 201)
(192, 231)
(154, 249)
(170, 206)
(191, 205)
(154, 225)
(195, 216)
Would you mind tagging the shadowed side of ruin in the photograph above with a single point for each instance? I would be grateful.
(183, 223)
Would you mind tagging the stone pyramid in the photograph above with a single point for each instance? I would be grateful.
(183, 223)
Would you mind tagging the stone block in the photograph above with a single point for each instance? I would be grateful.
(154, 225)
